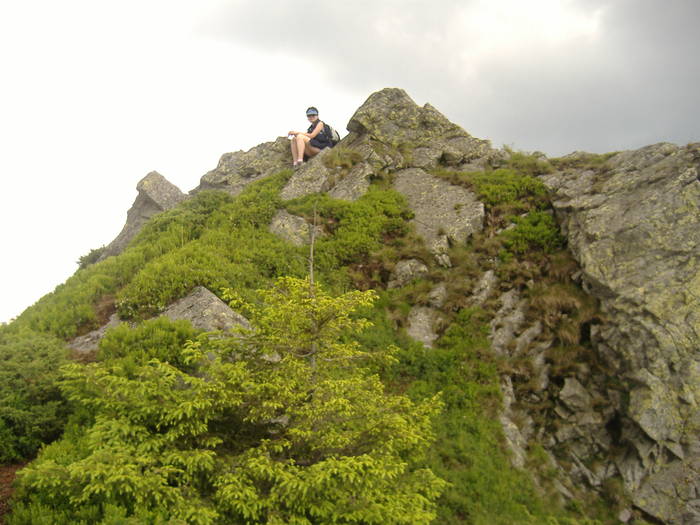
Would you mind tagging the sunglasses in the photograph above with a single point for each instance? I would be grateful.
(314, 115)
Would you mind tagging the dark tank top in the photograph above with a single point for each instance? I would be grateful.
(321, 140)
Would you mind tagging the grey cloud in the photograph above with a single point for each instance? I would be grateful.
(637, 84)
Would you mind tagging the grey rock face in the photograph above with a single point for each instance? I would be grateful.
(406, 271)
(238, 169)
(421, 324)
(635, 230)
(438, 295)
(443, 212)
(507, 322)
(293, 228)
(312, 177)
(88, 343)
(205, 311)
(354, 184)
(574, 395)
(484, 288)
(156, 194)
(515, 441)
(421, 136)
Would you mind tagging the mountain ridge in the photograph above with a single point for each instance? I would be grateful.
(493, 212)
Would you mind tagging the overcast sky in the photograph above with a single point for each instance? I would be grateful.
(96, 94)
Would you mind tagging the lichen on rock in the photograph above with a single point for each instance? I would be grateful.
(443, 212)
(238, 169)
(293, 228)
(633, 225)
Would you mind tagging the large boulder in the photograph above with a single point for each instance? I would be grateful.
(205, 311)
(405, 134)
(293, 228)
(406, 271)
(156, 194)
(238, 169)
(634, 227)
(421, 325)
(443, 213)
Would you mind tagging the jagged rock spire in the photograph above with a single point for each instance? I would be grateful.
(156, 194)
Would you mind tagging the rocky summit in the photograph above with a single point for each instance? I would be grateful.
(554, 302)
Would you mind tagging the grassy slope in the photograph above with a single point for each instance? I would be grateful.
(216, 241)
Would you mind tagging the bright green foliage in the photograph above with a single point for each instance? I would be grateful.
(358, 227)
(505, 188)
(289, 424)
(235, 250)
(537, 230)
(281, 424)
(32, 409)
(158, 338)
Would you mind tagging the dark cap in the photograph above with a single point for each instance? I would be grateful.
(311, 111)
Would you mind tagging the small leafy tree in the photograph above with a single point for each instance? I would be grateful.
(283, 423)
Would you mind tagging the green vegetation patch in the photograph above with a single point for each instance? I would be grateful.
(32, 409)
(285, 423)
(535, 231)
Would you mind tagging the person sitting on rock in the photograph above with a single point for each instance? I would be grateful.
(306, 145)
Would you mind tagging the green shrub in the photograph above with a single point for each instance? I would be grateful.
(32, 410)
(70, 309)
(158, 338)
(537, 230)
(357, 228)
(507, 188)
(91, 257)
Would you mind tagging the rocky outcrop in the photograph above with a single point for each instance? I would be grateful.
(444, 212)
(344, 172)
(634, 227)
(156, 195)
(390, 132)
(200, 307)
(421, 325)
(205, 311)
(293, 228)
(88, 343)
(406, 271)
(238, 169)
(403, 134)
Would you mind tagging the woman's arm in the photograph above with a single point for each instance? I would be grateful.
(316, 131)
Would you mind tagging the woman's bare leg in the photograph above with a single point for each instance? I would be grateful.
(295, 156)
(302, 145)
